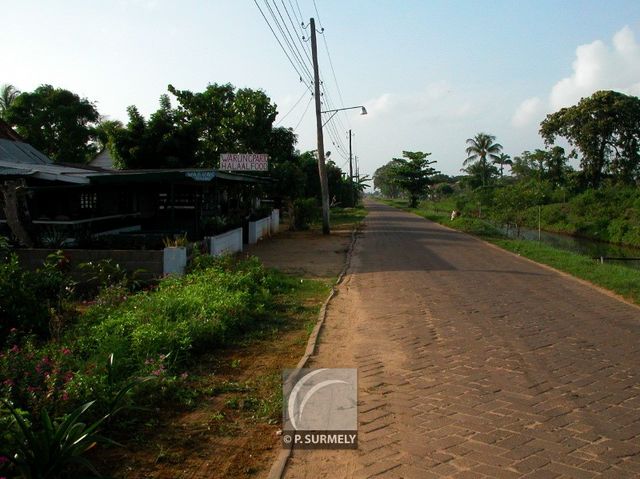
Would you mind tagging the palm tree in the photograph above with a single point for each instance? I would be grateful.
(503, 159)
(8, 93)
(480, 148)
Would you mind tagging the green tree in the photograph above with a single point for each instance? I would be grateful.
(510, 203)
(383, 181)
(160, 142)
(605, 128)
(8, 93)
(502, 160)
(226, 120)
(57, 122)
(480, 150)
(557, 167)
(413, 174)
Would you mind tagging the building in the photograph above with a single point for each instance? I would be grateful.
(50, 205)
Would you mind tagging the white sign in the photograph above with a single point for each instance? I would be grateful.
(244, 161)
(200, 175)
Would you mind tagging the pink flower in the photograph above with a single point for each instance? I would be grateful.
(157, 372)
(7, 382)
(66, 351)
(65, 396)
(3, 460)
(15, 349)
(184, 375)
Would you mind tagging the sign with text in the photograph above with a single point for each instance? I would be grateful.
(320, 408)
(244, 161)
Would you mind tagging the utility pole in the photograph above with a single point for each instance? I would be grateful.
(322, 170)
(353, 199)
(357, 171)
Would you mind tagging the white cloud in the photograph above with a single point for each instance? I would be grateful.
(436, 101)
(529, 111)
(597, 66)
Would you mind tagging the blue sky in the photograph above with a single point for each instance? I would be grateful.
(431, 73)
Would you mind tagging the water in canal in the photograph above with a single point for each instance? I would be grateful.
(584, 246)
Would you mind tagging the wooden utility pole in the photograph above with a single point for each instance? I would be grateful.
(353, 196)
(322, 170)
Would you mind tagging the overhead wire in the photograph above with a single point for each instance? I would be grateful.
(292, 108)
(300, 74)
(303, 114)
(294, 27)
(293, 48)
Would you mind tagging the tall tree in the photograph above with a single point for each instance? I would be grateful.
(605, 128)
(481, 149)
(502, 159)
(557, 168)
(413, 174)
(57, 122)
(8, 93)
(227, 121)
(383, 181)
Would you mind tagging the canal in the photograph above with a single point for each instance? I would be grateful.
(583, 246)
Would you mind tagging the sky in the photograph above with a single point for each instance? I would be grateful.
(431, 73)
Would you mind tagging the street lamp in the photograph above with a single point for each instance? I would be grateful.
(363, 112)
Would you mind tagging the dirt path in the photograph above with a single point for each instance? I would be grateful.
(475, 363)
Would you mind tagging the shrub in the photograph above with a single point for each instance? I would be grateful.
(305, 211)
(21, 307)
(36, 378)
(184, 315)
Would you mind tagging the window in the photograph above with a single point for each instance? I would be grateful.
(88, 201)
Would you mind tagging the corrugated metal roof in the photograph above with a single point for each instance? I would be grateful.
(7, 132)
(23, 153)
(103, 160)
(8, 171)
(50, 172)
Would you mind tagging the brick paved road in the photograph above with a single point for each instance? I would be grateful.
(474, 363)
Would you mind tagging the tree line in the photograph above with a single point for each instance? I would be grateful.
(603, 134)
(602, 130)
(188, 130)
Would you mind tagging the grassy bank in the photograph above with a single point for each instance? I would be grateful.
(618, 279)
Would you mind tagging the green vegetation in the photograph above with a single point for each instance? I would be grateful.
(599, 201)
(56, 387)
(619, 279)
(606, 129)
(607, 214)
(55, 121)
(411, 175)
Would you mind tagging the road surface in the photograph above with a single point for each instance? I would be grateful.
(475, 363)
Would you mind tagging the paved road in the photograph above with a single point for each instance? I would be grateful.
(475, 363)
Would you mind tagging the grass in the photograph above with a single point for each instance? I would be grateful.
(618, 279)
(341, 217)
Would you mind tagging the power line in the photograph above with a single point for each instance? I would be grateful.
(300, 75)
(291, 44)
(294, 28)
(317, 14)
(299, 11)
(304, 113)
(333, 72)
(292, 108)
